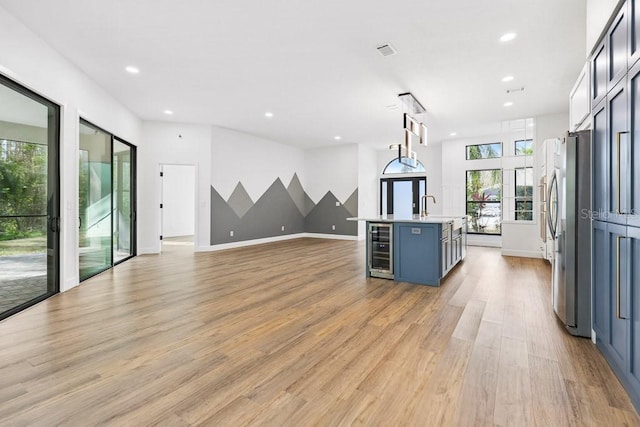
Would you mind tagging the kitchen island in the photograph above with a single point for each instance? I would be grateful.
(420, 250)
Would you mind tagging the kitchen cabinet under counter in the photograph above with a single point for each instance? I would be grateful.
(423, 249)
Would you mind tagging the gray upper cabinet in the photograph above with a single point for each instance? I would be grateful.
(600, 160)
(633, 148)
(617, 148)
(599, 74)
(633, 18)
(615, 115)
(616, 46)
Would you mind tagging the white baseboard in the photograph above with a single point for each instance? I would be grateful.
(146, 251)
(244, 243)
(330, 236)
(484, 243)
(522, 254)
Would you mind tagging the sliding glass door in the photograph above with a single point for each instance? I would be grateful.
(105, 198)
(123, 238)
(29, 198)
(94, 201)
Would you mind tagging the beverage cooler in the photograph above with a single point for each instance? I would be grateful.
(380, 250)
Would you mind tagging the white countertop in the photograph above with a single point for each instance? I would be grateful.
(430, 219)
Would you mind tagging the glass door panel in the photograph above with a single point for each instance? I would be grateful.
(29, 141)
(402, 199)
(94, 200)
(122, 206)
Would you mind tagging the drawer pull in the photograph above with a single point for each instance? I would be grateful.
(618, 238)
(618, 134)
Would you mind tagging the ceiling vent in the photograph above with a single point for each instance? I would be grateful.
(386, 50)
(518, 89)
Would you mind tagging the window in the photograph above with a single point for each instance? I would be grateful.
(401, 166)
(484, 201)
(524, 147)
(484, 151)
(524, 194)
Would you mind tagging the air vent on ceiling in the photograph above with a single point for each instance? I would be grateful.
(518, 89)
(386, 50)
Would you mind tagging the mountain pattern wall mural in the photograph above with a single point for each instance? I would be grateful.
(279, 206)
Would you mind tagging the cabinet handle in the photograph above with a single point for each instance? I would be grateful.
(618, 238)
(618, 134)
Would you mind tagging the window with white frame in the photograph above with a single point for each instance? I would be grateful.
(523, 194)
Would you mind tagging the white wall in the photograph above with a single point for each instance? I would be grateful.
(178, 200)
(551, 126)
(27, 59)
(432, 161)
(178, 144)
(256, 162)
(598, 13)
(332, 169)
(367, 186)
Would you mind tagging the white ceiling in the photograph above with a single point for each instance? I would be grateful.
(314, 63)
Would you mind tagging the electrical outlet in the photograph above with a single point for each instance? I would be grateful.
(337, 203)
(231, 233)
(283, 228)
(333, 227)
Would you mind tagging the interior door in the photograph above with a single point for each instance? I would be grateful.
(29, 198)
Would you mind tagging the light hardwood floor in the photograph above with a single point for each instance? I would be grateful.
(292, 333)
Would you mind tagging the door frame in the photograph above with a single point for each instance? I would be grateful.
(389, 180)
(161, 198)
(133, 196)
(133, 201)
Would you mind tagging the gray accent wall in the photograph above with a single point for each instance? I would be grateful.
(351, 205)
(325, 215)
(290, 207)
(299, 196)
(240, 201)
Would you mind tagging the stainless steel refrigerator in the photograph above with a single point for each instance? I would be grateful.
(569, 222)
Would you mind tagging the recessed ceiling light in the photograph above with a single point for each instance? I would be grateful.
(168, 112)
(337, 137)
(131, 69)
(452, 134)
(507, 79)
(508, 37)
(268, 114)
(508, 104)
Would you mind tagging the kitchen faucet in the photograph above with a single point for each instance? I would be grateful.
(423, 212)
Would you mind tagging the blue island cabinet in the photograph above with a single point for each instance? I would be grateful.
(418, 253)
